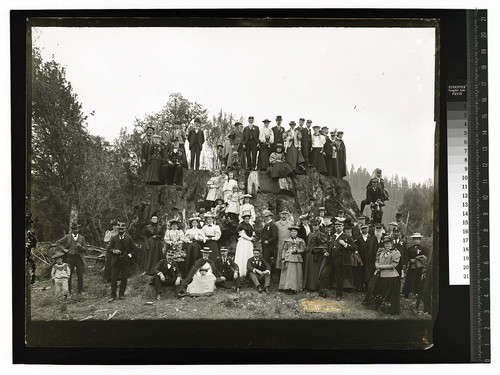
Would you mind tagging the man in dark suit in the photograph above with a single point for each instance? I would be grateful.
(338, 245)
(278, 131)
(361, 242)
(251, 143)
(74, 246)
(228, 270)
(236, 139)
(167, 273)
(121, 248)
(399, 245)
(196, 138)
(269, 238)
(259, 271)
(174, 162)
(372, 194)
(306, 141)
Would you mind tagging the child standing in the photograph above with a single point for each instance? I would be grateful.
(60, 274)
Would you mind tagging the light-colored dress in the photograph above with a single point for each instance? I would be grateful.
(227, 189)
(283, 234)
(244, 247)
(234, 203)
(202, 284)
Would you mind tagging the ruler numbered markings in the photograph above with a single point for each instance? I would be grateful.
(458, 182)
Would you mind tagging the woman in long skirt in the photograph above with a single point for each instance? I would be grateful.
(227, 187)
(266, 138)
(153, 174)
(278, 167)
(383, 289)
(212, 234)
(293, 141)
(317, 157)
(244, 247)
(154, 245)
(194, 238)
(291, 278)
(316, 245)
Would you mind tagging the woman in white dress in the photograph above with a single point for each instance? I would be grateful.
(202, 276)
(227, 188)
(244, 247)
(214, 188)
(247, 207)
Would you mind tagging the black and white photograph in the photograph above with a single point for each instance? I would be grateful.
(232, 173)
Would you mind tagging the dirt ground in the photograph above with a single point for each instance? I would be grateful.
(223, 304)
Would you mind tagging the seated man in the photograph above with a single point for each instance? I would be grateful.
(167, 273)
(259, 271)
(228, 270)
(373, 192)
(201, 277)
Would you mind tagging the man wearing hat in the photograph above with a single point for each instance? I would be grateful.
(259, 271)
(269, 237)
(155, 162)
(400, 245)
(236, 138)
(146, 144)
(107, 237)
(356, 230)
(374, 244)
(196, 138)
(278, 131)
(322, 220)
(74, 246)
(283, 233)
(179, 133)
(228, 270)
(174, 163)
(154, 234)
(121, 248)
(361, 241)
(167, 273)
(328, 150)
(416, 261)
(251, 143)
(372, 194)
(60, 274)
(202, 263)
(306, 139)
(220, 159)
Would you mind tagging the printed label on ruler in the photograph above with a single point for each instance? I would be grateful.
(458, 185)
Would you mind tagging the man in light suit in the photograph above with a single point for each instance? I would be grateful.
(251, 143)
(196, 138)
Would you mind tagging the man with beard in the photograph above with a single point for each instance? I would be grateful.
(374, 243)
(269, 237)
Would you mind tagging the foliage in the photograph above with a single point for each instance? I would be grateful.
(218, 130)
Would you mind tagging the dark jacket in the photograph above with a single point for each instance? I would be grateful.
(306, 138)
(259, 264)
(169, 272)
(126, 246)
(228, 266)
(145, 152)
(328, 147)
(70, 246)
(302, 232)
(176, 158)
(373, 194)
(196, 139)
(278, 134)
(250, 134)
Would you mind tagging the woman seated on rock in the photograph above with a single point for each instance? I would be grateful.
(279, 168)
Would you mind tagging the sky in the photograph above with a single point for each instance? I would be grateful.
(375, 84)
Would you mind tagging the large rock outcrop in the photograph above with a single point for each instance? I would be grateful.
(305, 193)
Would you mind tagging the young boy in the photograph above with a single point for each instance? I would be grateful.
(60, 274)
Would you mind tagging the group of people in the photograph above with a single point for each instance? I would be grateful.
(317, 255)
(282, 153)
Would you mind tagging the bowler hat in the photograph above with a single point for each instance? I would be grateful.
(279, 118)
(340, 132)
(250, 117)
(302, 119)
(378, 225)
(309, 122)
(75, 225)
(292, 123)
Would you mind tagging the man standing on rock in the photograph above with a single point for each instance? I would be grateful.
(120, 248)
(148, 141)
(251, 143)
(196, 139)
(341, 155)
(328, 150)
(278, 131)
(306, 140)
(236, 139)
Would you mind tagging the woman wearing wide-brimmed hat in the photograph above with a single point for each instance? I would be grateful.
(244, 247)
(383, 289)
(247, 207)
(195, 239)
(291, 278)
(266, 138)
(212, 234)
(278, 167)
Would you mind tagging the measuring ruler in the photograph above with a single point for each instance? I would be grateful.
(468, 201)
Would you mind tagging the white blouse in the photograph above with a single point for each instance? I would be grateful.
(318, 141)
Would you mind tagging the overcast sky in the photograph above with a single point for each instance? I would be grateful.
(376, 84)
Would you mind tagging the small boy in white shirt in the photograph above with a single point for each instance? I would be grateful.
(60, 274)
